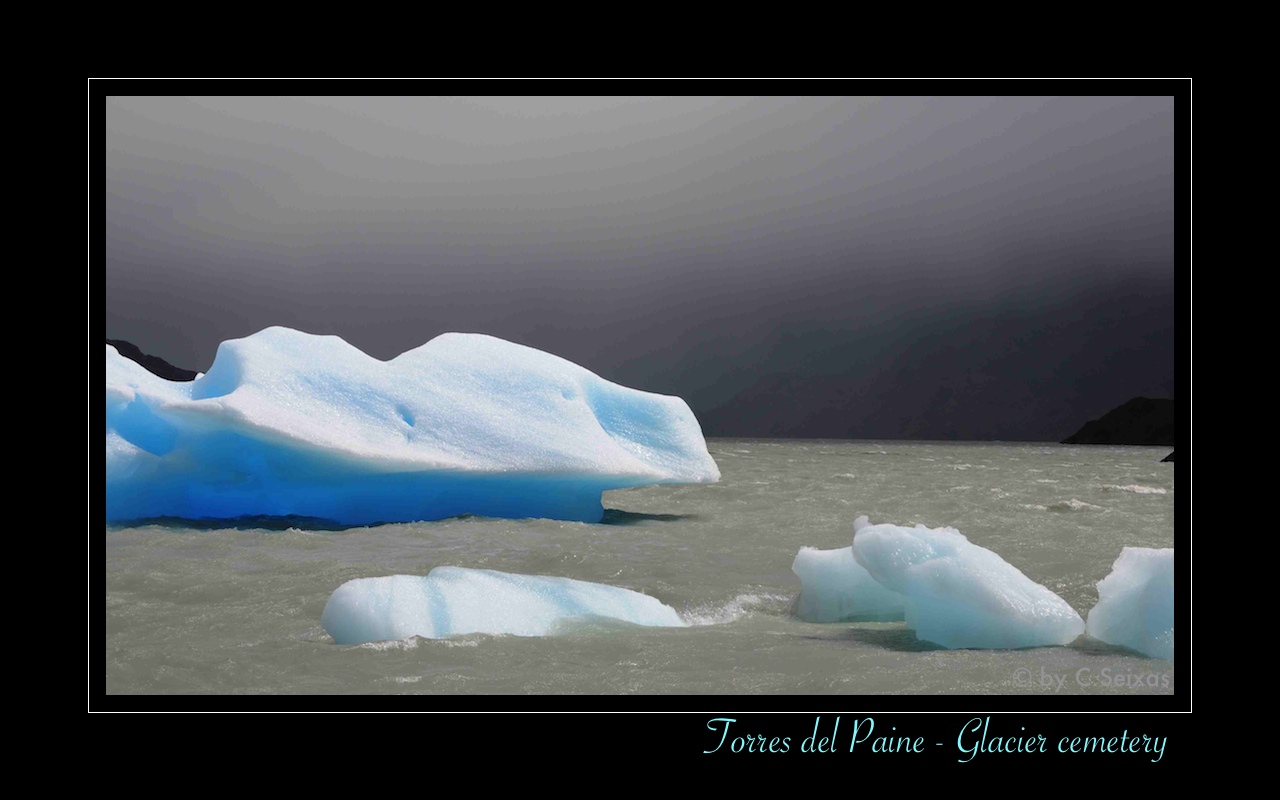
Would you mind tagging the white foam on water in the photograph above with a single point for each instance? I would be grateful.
(1072, 505)
(740, 606)
(407, 643)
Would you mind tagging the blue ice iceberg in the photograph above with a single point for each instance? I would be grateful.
(835, 588)
(453, 601)
(290, 423)
(1135, 603)
(960, 595)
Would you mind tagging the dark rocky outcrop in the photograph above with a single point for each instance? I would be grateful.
(1142, 420)
(153, 364)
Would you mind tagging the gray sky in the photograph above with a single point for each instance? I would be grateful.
(880, 267)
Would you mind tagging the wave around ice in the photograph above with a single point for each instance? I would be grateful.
(742, 605)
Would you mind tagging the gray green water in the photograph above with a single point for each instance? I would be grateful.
(238, 611)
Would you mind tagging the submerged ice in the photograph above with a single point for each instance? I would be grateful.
(960, 595)
(452, 601)
(1135, 603)
(286, 422)
(836, 588)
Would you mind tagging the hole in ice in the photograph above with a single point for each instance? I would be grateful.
(138, 425)
(406, 415)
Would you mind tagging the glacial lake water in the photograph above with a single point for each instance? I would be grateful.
(202, 609)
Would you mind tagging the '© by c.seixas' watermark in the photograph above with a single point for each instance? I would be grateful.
(1086, 677)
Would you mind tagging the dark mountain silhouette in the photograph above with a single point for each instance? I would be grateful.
(1142, 420)
(153, 364)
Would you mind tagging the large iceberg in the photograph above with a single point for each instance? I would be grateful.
(290, 423)
(836, 588)
(960, 595)
(452, 601)
(1135, 603)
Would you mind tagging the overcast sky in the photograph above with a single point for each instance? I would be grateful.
(952, 267)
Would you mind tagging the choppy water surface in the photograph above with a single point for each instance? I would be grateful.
(238, 610)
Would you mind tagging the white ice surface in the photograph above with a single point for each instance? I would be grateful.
(835, 588)
(1135, 603)
(960, 595)
(452, 601)
(290, 423)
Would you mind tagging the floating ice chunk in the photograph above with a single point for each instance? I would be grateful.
(961, 595)
(1073, 505)
(452, 601)
(1135, 603)
(835, 588)
(289, 423)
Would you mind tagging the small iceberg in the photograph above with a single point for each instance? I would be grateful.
(453, 601)
(1135, 603)
(836, 588)
(960, 595)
